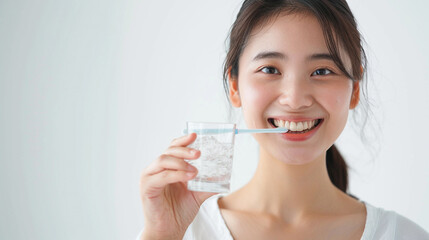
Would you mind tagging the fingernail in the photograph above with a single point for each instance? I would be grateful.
(190, 174)
(193, 152)
(190, 168)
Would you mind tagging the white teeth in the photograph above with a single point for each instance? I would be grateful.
(279, 123)
(299, 127)
(295, 126)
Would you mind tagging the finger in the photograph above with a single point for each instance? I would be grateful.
(162, 179)
(184, 140)
(183, 152)
(165, 162)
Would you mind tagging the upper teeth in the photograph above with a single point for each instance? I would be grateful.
(295, 126)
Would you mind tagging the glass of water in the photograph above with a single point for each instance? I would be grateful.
(216, 143)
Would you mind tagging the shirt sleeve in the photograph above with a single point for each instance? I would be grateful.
(407, 229)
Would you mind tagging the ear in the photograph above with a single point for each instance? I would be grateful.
(234, 95)
(355, 95)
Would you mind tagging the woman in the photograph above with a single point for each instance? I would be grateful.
(297, 64)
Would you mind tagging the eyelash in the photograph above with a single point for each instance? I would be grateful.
(312, 74)
(330, 72)
(278, 72)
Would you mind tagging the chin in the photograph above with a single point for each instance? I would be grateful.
(298, 156)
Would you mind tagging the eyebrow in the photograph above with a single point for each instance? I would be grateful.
(269, 54)
(279, 55)
(319, 56)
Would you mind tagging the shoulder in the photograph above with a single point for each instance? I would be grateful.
(208, 224)
(407, 229)
(385, 224)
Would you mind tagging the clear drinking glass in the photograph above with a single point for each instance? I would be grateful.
(216, 143)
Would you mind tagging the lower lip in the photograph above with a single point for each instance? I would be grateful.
(301, 136)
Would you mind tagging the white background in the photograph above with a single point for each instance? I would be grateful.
(92, 91)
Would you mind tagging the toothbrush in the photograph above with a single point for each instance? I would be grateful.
(238, 131)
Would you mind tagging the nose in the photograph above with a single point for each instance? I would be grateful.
(296, 93)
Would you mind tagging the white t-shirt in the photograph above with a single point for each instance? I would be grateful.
(380, 224)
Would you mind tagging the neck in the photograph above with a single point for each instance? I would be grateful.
(292, 191)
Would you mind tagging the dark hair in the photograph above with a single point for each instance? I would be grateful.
(339, 29)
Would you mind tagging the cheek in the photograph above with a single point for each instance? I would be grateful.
(253, 95)
(254, 99)
(341, 102)
(337, 96)
(337, 104)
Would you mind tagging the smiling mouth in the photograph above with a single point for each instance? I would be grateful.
(295, 127)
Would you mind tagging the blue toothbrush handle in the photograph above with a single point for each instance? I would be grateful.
(237, 131)
(266, 130)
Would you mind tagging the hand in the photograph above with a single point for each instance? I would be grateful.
(168, 206)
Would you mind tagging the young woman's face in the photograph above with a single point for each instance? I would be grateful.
(286, 76)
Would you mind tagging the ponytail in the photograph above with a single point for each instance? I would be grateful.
(337, 169)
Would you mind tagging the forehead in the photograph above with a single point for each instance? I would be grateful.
(296, 35)
(300, 32)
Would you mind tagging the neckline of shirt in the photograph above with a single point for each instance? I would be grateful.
(371, 221)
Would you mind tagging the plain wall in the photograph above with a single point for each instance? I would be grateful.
(92, 91)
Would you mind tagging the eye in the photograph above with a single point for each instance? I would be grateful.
(322, 71)
(270, 70)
